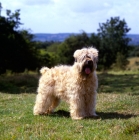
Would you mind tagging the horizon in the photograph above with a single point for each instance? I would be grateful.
(80, 33)
(62, 36)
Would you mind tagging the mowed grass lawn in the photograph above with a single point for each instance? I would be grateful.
(117, 106)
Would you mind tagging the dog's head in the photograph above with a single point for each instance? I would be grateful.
(87, 59)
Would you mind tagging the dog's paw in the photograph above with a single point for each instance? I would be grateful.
(41, 113)
(36, 114)
(77, 118)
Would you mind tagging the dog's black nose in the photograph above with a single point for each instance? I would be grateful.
(90, 62)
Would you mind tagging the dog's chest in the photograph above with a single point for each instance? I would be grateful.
(87, 87)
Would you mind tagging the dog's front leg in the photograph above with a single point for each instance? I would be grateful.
(91, 105)
(77, 108)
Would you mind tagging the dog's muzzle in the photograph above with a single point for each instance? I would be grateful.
(88, 66)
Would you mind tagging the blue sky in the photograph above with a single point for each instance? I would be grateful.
(72, 16)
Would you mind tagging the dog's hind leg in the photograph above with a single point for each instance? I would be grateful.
(42, 104)
(45, 96)
(55, 103)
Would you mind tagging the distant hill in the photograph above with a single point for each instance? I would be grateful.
(52, 37)
(62, 36)
(134, 39)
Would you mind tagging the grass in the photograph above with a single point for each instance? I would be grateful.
(133, 64)
(119, 83)
(18, 83)
(117, 105)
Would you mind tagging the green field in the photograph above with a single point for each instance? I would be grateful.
(117, 106)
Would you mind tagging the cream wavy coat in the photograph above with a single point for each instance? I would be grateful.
(70, 84)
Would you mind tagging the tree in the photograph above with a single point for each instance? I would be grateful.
(17, 51)
(13, 18)
(94, 40)
(113, 40)
(68, 47)
(120, 63)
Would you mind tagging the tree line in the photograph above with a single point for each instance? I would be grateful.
(18, 50)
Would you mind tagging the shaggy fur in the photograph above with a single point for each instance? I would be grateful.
(75, 84)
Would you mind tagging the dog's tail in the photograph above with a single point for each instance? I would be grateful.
(43, 70)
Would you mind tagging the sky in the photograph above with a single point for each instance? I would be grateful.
(72, 16)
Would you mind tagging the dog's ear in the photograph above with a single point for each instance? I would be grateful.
(94, 53)
(76, 53)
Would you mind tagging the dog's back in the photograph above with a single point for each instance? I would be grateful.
(61, 69)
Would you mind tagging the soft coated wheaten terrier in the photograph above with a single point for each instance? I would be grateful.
(75, 84)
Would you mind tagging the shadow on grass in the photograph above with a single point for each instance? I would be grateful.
(114, 115)
(102, 115)
(127, 83)
(19, 83)
(61, 113)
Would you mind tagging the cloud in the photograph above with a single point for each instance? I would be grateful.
(72, 15)
(78, 6)
(90, 6)
(38, 2)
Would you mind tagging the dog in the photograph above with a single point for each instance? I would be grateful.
(76, 84)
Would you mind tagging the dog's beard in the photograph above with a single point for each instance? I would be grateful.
(87, 69)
